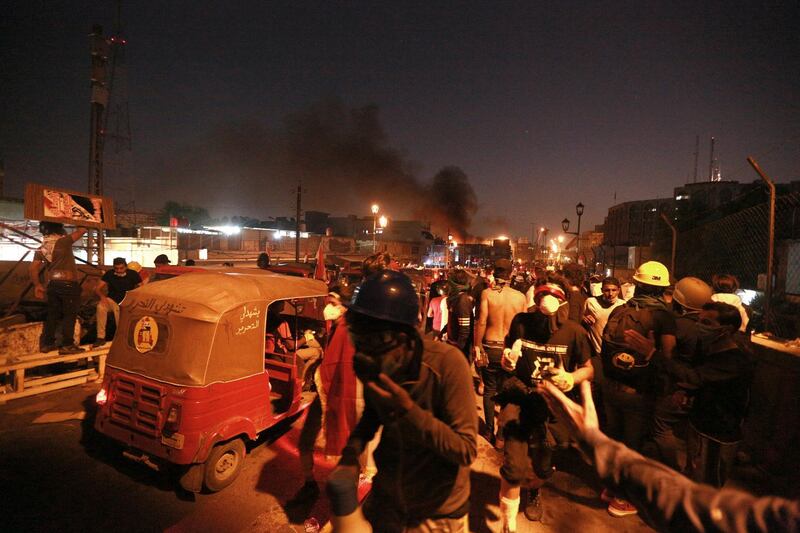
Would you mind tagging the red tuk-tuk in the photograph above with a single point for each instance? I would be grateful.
(187, 379)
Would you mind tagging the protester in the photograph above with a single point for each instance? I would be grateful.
(437, 311)
(689, 296)
(667, 500)
(460, 320)
(725, 287)
(595, 285)
(597, 309)
(721, 375)
(335, 410)
(628, 387)
(137, 267)
(117, 282)
(376, 263)
(263, 261)
(498, 307)
(63, 292)
(279, 338)
(419, 392)
(541, 345)
(577, 297)
(161, 260)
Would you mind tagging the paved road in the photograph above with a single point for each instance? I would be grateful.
(58, 475)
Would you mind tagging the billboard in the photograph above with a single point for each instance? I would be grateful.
(68, 207)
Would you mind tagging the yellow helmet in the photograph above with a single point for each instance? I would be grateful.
(652, 273)
(136, 267)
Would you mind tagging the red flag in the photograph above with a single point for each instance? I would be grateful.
(319, 270)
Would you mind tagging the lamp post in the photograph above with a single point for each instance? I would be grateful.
(565, 226)
(383, 222)
(375, 210)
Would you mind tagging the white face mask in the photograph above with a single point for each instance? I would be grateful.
(549, 304)
(332, 312)
(596, 289)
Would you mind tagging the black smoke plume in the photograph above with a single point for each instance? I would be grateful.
(341, 156)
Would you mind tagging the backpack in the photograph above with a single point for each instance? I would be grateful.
(619, 361)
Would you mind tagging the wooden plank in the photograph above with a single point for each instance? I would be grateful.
(88, 373)
(46, 388)
(19, 380)
(50, 360)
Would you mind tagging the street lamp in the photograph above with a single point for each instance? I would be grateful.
(565, 226)
(375, 210)
(383, 222)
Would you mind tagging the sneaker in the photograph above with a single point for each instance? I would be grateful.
(606, 496)
(98, 343)
(48, 348)
(533, 508)
(619, 508)
(70, 349)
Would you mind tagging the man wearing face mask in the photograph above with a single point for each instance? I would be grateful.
(721, 373)
(420, 393)
(540, 345)
(118, 282)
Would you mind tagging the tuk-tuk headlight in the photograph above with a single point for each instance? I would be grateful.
(101, 397)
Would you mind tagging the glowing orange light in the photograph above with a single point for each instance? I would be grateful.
(102, 397)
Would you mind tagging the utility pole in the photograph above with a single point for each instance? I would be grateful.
(297, 222)
(770, 244)
(99, 101)
(674, 243)
(711, 162)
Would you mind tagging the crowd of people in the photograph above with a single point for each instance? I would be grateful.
(399, 370)
(667, 365)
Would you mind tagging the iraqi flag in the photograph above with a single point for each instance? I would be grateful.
(319, 270)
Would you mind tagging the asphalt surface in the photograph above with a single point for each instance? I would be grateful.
(59, 475)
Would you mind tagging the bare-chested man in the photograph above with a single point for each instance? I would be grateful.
(499, 305)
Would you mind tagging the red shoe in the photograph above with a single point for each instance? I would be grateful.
(620, 508)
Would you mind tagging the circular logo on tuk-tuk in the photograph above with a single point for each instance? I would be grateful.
(145, 334)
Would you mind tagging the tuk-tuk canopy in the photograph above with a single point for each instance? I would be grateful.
(207, 295)
(202, 327)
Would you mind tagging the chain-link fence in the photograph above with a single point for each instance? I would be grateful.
(739, 244)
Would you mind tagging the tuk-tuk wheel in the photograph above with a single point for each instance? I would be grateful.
(224, 464)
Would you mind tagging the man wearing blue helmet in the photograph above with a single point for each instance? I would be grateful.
(420, 392)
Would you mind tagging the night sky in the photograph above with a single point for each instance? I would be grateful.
(541, 105)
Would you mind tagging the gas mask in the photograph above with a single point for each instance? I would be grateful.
(371, 357)
(332, 312)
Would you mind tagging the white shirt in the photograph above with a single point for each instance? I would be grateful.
(593, 308)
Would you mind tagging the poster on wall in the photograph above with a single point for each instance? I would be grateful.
(68, 207)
